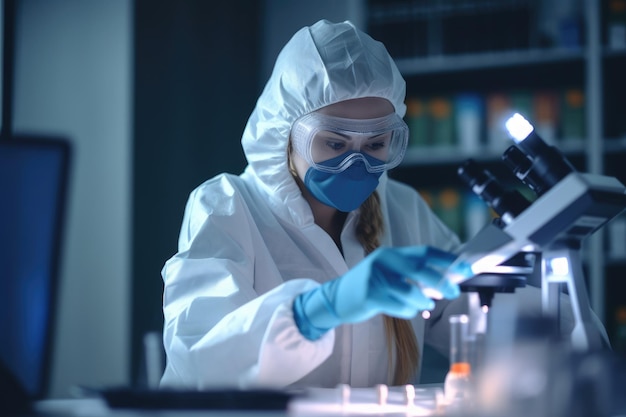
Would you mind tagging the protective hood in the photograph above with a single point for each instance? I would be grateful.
(320, 65)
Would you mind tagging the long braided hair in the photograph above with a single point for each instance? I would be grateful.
(368, 231)
(398, 332)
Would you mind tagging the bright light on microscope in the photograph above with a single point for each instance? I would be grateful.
(518, 127)
(559, 266)
(487, 263)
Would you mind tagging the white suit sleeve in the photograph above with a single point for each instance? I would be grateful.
(218, 330)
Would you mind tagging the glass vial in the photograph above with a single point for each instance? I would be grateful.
(457, 385)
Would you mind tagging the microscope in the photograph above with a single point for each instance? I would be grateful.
(541, 237)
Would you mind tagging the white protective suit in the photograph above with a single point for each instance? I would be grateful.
(249, 245)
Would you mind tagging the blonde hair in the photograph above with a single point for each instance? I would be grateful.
(398, 332)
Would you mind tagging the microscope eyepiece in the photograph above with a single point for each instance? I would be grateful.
(537, 164)
(522, 166)
(507, 203)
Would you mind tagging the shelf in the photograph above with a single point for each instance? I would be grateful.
(496, 59)
(615, 145)
(435, 155)
(490, 60)
(609, 52)
(418, 35)
(454, 154)
(615, 260)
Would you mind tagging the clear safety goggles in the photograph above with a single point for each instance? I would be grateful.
(332, 144)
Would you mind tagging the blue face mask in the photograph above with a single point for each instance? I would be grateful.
(345, 190)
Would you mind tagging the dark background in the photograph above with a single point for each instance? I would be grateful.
(196, 80)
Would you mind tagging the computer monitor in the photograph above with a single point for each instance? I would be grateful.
(33, 183)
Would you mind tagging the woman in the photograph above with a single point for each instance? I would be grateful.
(278, 281)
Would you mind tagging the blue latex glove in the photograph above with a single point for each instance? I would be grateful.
(390, 281)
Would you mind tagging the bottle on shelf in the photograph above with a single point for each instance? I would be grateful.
(417, 120)
(498, 107)
(546, 117)
(573, 114)
(468, 119)
(442, 122)
(616, 24)
(449, 209)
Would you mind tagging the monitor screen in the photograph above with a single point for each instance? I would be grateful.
(33, 178)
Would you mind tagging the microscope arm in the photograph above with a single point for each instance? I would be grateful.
(573, 209)
(555, 224)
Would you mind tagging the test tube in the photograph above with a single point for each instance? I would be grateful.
(457, 385)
